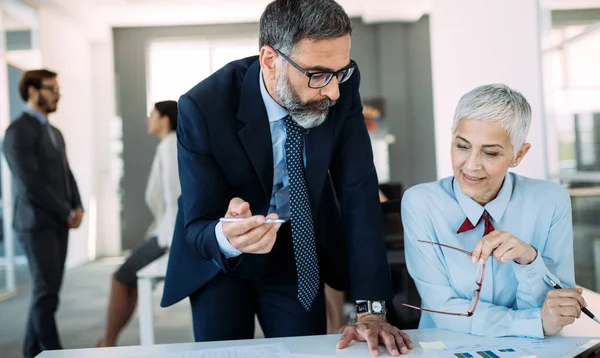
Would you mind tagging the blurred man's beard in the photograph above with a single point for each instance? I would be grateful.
(46, 105)
(308, 115)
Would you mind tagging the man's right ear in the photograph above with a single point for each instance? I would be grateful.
(268, 61)
(31, 92)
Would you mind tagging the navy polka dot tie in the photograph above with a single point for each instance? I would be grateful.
(303, 234)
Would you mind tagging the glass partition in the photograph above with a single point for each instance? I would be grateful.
(18, 52)
(574, 115)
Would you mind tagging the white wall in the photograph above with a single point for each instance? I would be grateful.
(476, 42)
(84, 114)
(108, 233)
(422, 137)
(66, 50)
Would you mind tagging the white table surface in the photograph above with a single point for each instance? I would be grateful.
(583, 327)
(324, 345)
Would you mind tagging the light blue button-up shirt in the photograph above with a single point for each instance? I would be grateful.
(280, 197)
(534, 211)
(37, 115)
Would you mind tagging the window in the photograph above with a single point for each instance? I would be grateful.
(175, 66)
(574, 91)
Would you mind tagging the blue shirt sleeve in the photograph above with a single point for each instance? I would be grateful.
(224, 245)
(554, 260)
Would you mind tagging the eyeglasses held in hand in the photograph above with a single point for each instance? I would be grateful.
(476, 293)
(322, 78)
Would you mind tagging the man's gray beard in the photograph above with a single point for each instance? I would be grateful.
(306, 117)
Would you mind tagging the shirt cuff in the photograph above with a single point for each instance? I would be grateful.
(224, 245)
(523, 323)
(528, 323)
(532, 272)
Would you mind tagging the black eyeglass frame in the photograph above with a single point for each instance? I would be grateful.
(345, 76)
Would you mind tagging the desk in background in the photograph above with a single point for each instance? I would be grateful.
(147, 278)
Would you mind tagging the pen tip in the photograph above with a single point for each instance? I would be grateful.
(596, 319)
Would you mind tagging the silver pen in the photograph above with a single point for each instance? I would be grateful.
(267, 221)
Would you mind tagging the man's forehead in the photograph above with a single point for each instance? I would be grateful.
(49, 81)
(332, 54)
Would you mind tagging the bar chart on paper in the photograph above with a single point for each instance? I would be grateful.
(488, 353)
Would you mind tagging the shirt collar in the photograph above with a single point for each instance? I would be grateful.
(274, 111)
(32, 112)
(495, 208)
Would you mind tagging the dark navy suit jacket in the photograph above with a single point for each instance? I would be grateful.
(225, 151)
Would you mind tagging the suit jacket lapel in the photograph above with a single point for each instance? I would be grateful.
(45, 139)
(256, 133)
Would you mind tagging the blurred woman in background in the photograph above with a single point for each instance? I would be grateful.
(162, 191)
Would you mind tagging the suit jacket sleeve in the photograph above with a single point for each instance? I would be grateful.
(203, 185)
(75, 197)
(355, 181)
(19, 149)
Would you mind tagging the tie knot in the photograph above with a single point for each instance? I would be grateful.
(487, 220)
(293, 127)
(486, 216)
(489, 226)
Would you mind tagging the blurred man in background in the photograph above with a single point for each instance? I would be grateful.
(47, 203)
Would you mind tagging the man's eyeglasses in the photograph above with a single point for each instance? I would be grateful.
(53, 89)
(475, 296)
(322, 79)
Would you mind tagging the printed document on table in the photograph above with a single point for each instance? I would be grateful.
(275, 350)
(549, 347)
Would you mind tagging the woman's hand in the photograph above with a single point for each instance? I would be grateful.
(561, 308)
(504, 247)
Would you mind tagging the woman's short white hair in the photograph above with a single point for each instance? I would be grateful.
(500, 104)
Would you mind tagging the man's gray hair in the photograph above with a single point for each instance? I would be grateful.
(284, 23)
(499, 104)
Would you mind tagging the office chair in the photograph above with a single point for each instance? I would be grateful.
(403, 286)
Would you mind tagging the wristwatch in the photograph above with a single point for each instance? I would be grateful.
(371, 307)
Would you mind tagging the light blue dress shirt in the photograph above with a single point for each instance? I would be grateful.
(534, 211)
(280, 197)
(40, 117)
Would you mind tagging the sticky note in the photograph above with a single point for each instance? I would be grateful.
(432, 345)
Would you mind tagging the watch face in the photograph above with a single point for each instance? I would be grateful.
(377, 307)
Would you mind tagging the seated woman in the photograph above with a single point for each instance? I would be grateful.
(162, 191)
(484, 244)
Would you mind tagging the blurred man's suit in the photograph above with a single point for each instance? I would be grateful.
(225, 151)
(45, 196)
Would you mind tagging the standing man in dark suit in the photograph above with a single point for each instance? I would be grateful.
(47, 203)
(281, 135)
